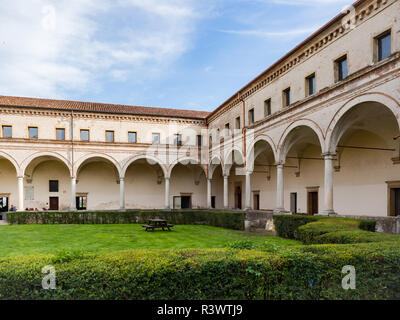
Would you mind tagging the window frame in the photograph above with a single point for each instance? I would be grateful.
(152, 138)
(80, 135)
(2, 131)
(113, 136)
(58, 186)
(251, 119)
(199, 140)
(339, 69)
(178, 142)
(238, 123)
(314, 85)
(136, 139)
(268, 107)
(56, 134)
(286, 99)
(377, 39)
(37, 132)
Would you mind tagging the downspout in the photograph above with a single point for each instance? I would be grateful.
(72, 141)
(244, 129)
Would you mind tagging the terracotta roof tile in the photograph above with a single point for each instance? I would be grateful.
(100, 107)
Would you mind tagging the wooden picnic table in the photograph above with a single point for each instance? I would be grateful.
(157, 224)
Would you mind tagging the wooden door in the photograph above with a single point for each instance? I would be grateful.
(238, 197)
(397, 202)
(256, 200)
(293, 202)
(313, 203)
(53, 203)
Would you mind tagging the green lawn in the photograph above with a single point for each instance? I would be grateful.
(33, 239)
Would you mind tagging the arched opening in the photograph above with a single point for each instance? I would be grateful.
(97, 183)
(367, 176)
(261, 160)
(188, 182)
(47, 183)
(144, 185)
(217, 183)
(234, 168)
(303, 174)
(8, 184)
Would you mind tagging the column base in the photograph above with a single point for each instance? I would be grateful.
(327, 213)
(281, 211)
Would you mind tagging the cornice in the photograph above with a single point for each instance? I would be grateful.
(303, 53)
(98, 116)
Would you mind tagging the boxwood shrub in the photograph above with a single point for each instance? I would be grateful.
(309, 272)
(224, 219)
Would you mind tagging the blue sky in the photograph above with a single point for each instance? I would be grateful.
(163, 53)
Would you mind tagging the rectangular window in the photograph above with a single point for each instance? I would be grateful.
(384, 46)
(53, 186)
(132, 137)
(178, 139)
(109, 136)
(199, 140)
(267, 107)
(7, 132)
(237, 123)
(227, 129)
(156, 138)
(33, 132)
(60, 134)
(85, 135)
(251, 116)
(310, 85)
(342, 70)
(286, 97)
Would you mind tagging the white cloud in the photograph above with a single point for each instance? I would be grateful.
(268, 34)
(50, 49)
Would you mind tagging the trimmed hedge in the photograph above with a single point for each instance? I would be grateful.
(310, 272)
(291, 226)
(224, 219)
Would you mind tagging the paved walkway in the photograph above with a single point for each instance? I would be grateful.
(3, 223)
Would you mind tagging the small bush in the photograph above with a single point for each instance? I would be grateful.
(241, 245)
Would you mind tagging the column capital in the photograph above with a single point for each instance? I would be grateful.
(280, 164)
(329, 156)
(121, 178)
(20, 177)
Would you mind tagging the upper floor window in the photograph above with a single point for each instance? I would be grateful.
(227, 129)
(267, 107)
(132, 137)
(251, 116)
(237, 123)
(178, 139)
(384, 46)
(7, 131)
(341, 69)
(60, 134)
(85, 135)
(210, 141)
(286, 97)
(199, 140)
(110, 136)
(53, 185)
(310, 85)
(156, 138)
(33, 132)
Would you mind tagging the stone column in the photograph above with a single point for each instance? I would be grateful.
(21, 194)
(279, 189)
(328, 189)
(73, 193)
(208, 193)
(122, 193)
(248, 191)
(226, 197)
(167, 206)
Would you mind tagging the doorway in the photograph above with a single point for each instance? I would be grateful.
(293, 202)
(312, 202)
(81, 203)
(238, 196)
(183, 202)
(213, 202)
(256, 200)
(53, 203)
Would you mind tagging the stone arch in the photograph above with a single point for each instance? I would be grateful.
(150, 159)
(44, 155)
(338, 125)
(13, 161)
(185, 161)
(229, 162)
(92, 156)
(214, 163)
(251, 155)
(286, 141)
